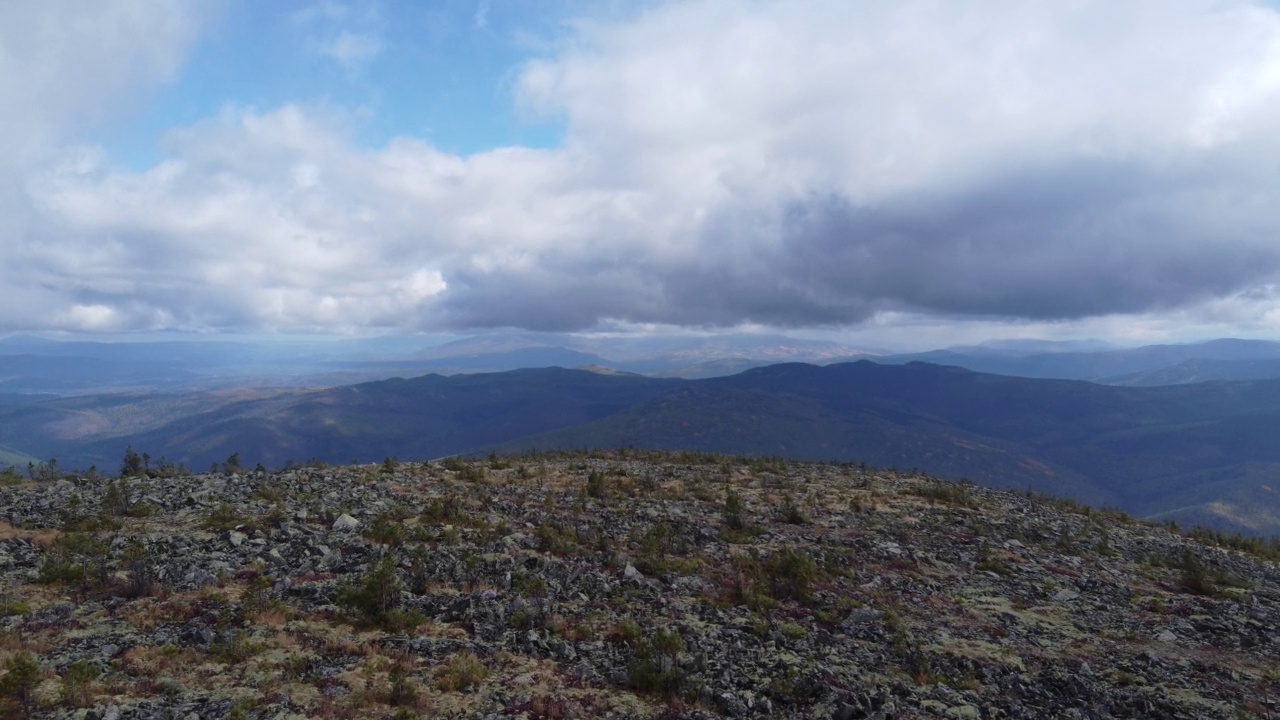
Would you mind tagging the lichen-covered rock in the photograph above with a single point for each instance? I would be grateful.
(345, 523)
(508, 589)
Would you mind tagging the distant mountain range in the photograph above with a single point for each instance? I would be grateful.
(35, 365)
(1178, 431)
(1224, 359)
(687, 357)
(1200, 453)
(1202, 370)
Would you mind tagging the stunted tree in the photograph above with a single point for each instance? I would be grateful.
(21, 676)
(376, 593)
(132, 463)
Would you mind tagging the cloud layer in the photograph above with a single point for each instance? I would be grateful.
(775, 163)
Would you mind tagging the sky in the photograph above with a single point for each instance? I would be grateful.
(905, 173)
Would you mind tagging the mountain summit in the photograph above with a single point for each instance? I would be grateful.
(618, 585)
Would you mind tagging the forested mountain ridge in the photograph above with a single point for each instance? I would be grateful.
(1199, 453)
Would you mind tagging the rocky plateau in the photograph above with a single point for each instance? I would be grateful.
(619, 585)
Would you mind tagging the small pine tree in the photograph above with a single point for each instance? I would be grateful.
(1195, 579)
(402, 691)
(21, 676)
(595, 485)
(376, 593)
(132, 463)
(77, 680)
(115, 501)
(141, 575)
(791, 512)
(655, 668)
(733, 511)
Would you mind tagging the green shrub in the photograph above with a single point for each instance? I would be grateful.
(792, 631)
(139, 571)
(988, 562)
(401, 620)
(45, 471)
(527, 584)
(791, 513)
(464, 470)
(732, 512)
(384, 530)
(656, 668)
(114, 500)
(10, 607)
(375, 594)
(558, 539)
(76, 558)
(72, 521)
(658, 545)
(269, 494)
(21, 676)
(225, 517)
(595, 485)
(257, 596)
(402, 691)
(629, 632)
(463, 672)
(132, 463)
(77, 682)
(236, 647)
(946, 493)
(11, 476)
(1194, 579)
(441, 510)
(790, 574)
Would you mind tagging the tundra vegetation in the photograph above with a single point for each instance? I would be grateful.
(626, 583)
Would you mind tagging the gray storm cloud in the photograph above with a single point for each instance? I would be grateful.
(1054, 242)
(778, 163)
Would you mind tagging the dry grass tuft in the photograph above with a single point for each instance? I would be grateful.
(43, 537)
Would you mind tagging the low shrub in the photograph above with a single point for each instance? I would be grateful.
(463, 672)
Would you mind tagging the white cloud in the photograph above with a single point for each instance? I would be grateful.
(66, 66)
(346, 33)
(778, 163)
(352, 50)
(64, 62)
(91, 318)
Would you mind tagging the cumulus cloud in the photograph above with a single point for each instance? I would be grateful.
(836, 160)
(64, 67)
(65, 62)
(778, 163)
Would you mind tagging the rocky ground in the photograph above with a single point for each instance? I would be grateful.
(615, 585)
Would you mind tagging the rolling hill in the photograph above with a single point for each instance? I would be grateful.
(1200, 453)
(1220, 357)
(1201, 370)
(428, 416)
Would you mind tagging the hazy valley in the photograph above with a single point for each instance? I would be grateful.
(1196, 452)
